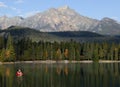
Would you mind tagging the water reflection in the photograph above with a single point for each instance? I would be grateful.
(19, 81)
(7, 72)
(61, 75)
(58, 70)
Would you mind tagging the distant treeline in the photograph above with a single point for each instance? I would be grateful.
(26, 49)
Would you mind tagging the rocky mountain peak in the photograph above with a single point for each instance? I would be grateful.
(18, 17)
(106, 19)
(61, 19)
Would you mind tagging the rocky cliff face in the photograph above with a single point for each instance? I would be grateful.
(107, 26)
(6, 22)
(62, 19)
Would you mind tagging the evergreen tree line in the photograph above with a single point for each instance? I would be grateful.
(25, 49)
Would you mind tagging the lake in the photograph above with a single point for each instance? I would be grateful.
(61, 75)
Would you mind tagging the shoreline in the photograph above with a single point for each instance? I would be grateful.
(61, 61)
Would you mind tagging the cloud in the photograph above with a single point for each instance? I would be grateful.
(19, 1)
(9, 9)
(18, 11)
(3, 5)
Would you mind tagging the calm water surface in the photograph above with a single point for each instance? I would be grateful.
(61, 75)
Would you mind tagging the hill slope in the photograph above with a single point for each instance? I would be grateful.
(24, 32)
(35, 35)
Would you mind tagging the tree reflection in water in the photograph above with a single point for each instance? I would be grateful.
(62, 75)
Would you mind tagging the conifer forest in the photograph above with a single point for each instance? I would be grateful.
(27, 50)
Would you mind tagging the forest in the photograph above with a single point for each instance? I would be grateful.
(27, 50)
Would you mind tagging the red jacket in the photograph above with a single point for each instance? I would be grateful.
(18, 73)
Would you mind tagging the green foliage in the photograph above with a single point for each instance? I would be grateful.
(8, 53)
(2, 55)
(26, 49)
(66, 51)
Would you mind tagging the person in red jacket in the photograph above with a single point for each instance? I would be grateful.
(19, 73)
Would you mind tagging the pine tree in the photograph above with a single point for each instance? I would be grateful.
(66, 54)
(9, 51)
(2, 52)
(101, 53)
(112, 51)
(58, 54)
(2, 55)
(71, 50)
(116, 53)
(1, 42)
(96, 53)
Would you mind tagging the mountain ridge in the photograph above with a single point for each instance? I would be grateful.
(63, 19)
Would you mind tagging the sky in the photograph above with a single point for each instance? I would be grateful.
(96, 9)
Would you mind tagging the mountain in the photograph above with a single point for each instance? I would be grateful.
(18, 33)
(23, 32)
(107, 26)
(6, 22)
(62, 19)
